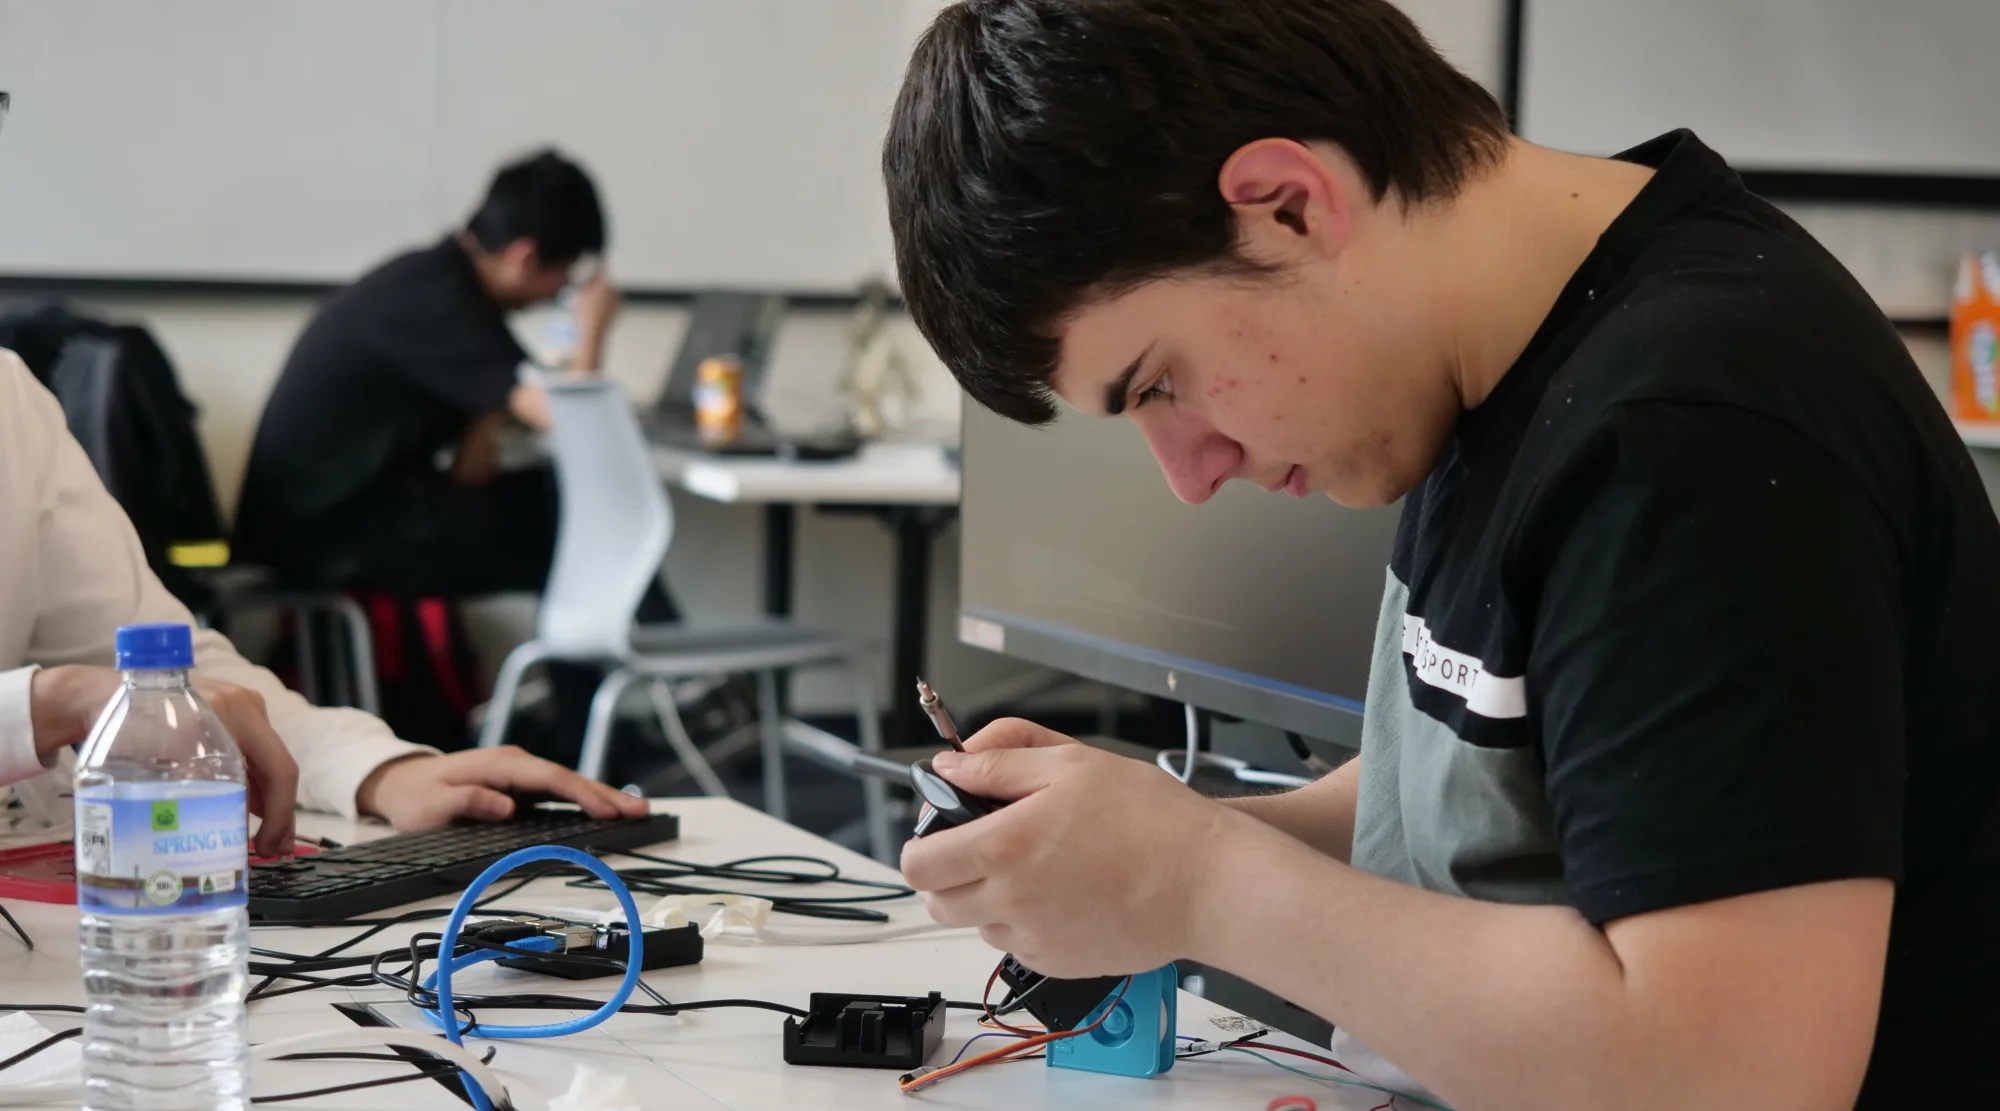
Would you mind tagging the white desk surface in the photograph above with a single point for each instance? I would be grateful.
(880, 474)
(702, 1060)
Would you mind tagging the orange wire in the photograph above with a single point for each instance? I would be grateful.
(1025, 1044)
(989, 1019)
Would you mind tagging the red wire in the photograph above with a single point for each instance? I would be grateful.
(1262, 1046)
(993, 1020)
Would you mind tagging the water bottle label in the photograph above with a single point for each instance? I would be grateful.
(178, 849)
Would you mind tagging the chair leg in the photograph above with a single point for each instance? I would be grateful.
(361, 656)
(683, 745)
(772, 728)
(874, 792)
(506, 688)
(603, 715)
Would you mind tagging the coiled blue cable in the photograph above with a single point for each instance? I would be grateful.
(448, 943)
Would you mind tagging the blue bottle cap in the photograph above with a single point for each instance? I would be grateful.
(163, 647)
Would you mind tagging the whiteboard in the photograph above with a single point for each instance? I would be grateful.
(1869, 86)
(735, 142)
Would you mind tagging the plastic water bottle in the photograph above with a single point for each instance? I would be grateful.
(161, 859)
(564, 337)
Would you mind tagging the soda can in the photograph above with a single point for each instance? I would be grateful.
(718, 400)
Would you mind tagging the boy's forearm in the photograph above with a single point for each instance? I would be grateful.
(1495, 1007)
(1321, 815)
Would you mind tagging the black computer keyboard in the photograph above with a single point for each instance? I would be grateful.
(364, 878)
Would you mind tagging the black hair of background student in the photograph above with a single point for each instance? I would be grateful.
(546, 198)
(1043, 152)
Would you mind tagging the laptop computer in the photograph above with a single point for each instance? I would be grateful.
(743, 324)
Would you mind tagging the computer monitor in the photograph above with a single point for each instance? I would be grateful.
(742, 323)
(1076, 556)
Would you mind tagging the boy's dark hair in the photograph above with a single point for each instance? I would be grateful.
(546, 198)
(1045, 152)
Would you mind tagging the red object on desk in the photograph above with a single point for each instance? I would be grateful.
(46, 873)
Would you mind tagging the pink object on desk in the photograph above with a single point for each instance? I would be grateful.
(46, 873)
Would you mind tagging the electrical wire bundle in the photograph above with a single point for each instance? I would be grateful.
(1252, 1045)
(664, 877)
(444, 1060)
(1027, 1038)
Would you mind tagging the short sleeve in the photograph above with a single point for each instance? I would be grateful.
(1716, 663)
(465, 357)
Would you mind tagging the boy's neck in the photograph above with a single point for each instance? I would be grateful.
(485, 267)
(1505, 247)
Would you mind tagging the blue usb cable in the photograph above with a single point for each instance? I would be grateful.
(440, 980)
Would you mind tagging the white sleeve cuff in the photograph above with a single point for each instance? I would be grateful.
(18, 758)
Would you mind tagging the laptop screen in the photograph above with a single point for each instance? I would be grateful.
(724, 322)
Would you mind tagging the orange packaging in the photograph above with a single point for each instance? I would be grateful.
(718, 399)
(1975, 340)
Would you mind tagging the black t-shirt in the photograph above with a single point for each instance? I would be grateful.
(391, 370)
(1704, 600)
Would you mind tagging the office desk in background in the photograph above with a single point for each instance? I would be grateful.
(913, 489)
(704, 1060)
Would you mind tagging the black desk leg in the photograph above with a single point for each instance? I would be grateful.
(915, 528)
(780, 528)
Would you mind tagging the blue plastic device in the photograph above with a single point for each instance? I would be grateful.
(1136, 1038)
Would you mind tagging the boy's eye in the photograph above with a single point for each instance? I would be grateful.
(1162, 387)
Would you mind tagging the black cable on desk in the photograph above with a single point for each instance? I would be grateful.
(426, 1070)
(18, 931)
(51, 1040)
(660, 880)
(375, 926)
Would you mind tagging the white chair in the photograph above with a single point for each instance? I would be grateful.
(614, 529)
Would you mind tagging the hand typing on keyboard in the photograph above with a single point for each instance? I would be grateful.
(421, 792)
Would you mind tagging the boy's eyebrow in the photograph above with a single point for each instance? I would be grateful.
(1121, 386)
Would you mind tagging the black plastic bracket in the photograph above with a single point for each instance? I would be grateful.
(866, 1031)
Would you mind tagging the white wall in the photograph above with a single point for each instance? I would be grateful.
(1904, 257)
(735, 142)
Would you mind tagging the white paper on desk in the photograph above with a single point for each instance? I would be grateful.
(537, 1066)
(58, 1064)
(1373, 1067)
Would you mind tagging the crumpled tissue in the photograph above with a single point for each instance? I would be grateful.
(591, 1090)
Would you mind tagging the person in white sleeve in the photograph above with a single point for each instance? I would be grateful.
(71, 572)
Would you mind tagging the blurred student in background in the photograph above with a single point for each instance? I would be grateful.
(375, 463)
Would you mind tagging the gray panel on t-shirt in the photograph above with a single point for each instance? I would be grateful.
(1438, 813)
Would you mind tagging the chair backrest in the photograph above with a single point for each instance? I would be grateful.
(615, 522)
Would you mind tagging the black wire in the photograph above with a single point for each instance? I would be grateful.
(305, 969)
(659, 881)
(426, 1070)
(52, 1039)
(1015, 1002)
(60, 1008)
(410, 983)
(377, 925)
(18, 931)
